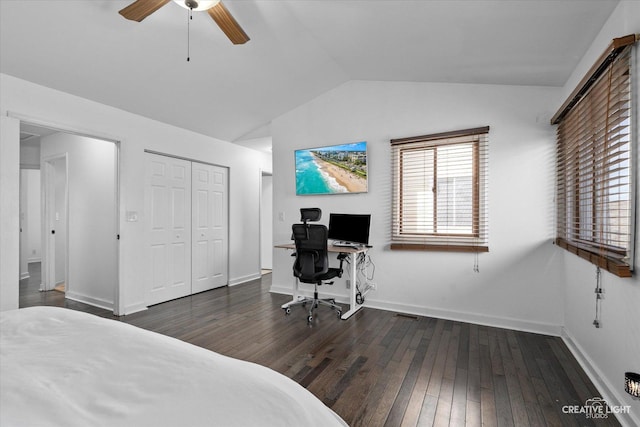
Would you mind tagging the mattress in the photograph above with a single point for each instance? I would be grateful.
(60, 367)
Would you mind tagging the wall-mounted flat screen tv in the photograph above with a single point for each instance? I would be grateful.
(334, 169)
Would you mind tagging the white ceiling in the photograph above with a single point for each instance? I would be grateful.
(298, 50)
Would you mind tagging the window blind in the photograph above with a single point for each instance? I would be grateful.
(439, 191)
(594, 164)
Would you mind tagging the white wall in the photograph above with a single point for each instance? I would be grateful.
(34, 240)
(29, 205)
(30, 235)
(608, 352)
(89, 174)
(9, 211)
(519, 284)
(30, 155)
(45, 106)
(59, 221)
(24, 224)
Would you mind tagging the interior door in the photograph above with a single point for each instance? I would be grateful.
(168, 206)
(55, 255)
(210, 229)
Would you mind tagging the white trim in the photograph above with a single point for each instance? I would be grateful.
(9, 213)
(244, 279)
(96, 302)
(60, 127)
(260, 213)
(458, 316)
(133, 308)
(633, 153)
(608, 392)
(118, 300)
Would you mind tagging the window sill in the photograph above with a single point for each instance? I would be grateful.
(437, 248)
(613, 266)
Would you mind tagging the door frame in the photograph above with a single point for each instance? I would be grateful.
(118, 301)
(262, 216)
(47, 199)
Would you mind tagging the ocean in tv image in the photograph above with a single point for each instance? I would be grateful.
(332, 170)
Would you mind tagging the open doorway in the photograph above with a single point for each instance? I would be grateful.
(266, 222)
(79, 213)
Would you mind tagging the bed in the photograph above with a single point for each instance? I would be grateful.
(63, 367)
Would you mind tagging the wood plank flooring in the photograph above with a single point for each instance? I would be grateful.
(378, 368)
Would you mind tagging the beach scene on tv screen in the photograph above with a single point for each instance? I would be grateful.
(332, 170)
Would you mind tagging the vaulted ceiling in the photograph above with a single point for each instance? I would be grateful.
(298, 50)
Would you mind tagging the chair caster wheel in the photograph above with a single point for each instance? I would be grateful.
(287, 311)
(309, 319)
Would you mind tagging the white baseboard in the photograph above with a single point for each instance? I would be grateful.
(134, 308)
(34, 259)
(475, 318)
(96, 302)
(609, 392)
(459, 316)
(24, 275)
(243, 279)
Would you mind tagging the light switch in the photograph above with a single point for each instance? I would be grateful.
(132, 216)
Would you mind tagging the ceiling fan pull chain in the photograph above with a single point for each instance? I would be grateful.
(189, 18)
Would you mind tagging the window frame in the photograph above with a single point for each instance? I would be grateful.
(585, 172)
(476, 240)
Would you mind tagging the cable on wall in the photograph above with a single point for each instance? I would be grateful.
(598, 291)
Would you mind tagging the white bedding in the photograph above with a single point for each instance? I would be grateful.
(60, 367)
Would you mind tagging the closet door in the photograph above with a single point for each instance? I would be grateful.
(168, 208)
(210, 227)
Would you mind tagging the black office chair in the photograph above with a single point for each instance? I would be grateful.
(312, 260)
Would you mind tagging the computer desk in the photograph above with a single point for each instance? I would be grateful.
(353, 253)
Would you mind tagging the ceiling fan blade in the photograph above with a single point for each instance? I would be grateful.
(140, 9)
(228, 24)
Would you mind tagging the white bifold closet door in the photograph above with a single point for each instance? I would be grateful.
(209, 227)
(187, 211)
(168, 207)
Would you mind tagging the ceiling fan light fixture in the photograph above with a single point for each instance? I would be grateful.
(197, 5)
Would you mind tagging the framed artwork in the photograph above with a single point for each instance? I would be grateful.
(333, 169)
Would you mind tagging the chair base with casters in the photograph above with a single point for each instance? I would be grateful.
(315, 302)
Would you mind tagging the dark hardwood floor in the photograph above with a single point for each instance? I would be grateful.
(378, 368)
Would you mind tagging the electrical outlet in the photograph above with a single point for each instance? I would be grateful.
(348, 284)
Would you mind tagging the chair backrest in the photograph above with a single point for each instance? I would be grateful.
(312, 259)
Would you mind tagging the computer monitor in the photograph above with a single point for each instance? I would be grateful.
(349, 228)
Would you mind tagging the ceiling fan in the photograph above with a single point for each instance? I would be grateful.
(140, 9)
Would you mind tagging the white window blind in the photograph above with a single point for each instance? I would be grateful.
(594, 179)
(439, 191)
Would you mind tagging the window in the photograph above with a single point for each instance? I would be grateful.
(439, 191)
(594, 185)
